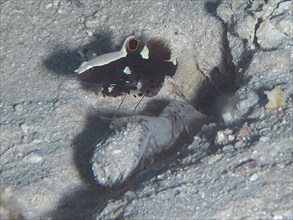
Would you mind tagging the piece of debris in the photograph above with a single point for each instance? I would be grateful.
(243, 132)
(276, 97)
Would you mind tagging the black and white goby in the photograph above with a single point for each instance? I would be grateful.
(136, 67)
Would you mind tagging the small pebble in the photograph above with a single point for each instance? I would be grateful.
(24, 129)
(220, 138)
(18, 107)
(239, 144)
(48, 6)
(278, 217)
(214, 158)
(231, 137)
(59, 11)
(228, 148)
(253, 177)
(57, 103)
(34, 158)
(160, 177)
(264, 139)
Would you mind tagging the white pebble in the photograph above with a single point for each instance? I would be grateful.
(35, 158)
(264, 139)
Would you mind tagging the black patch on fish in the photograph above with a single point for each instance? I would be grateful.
(146, 76)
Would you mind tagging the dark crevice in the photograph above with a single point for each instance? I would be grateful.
(256, 27)
(211, 7)
(225, 79)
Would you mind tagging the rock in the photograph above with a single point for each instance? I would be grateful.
(140, 138)
(224, 137)
(269, 36)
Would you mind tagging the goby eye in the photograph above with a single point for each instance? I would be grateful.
(133, 45)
